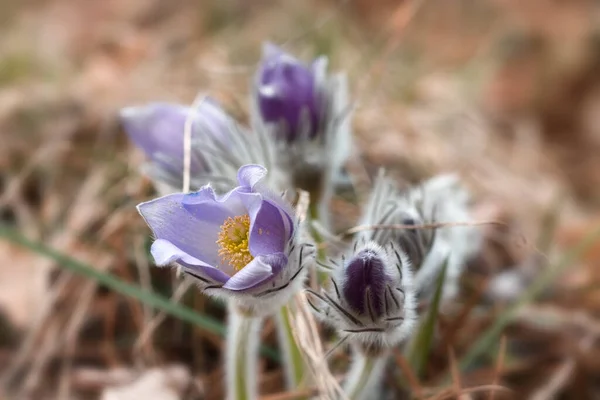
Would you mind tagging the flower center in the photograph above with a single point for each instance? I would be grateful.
(233, 242)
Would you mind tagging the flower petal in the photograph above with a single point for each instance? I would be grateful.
(269, 226)
(157, 129)
(212, 120)
(286, 93)
(165, 252)
(207, 206)
(270, 50)
(194, 230)
(249, 175)
(365, 280)
(283, 206)
(259, 270)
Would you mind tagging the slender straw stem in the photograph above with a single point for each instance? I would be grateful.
(364, 377)
(243, 337)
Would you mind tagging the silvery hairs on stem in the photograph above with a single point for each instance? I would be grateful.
(308, 114)
(441, 199)
(246, 245)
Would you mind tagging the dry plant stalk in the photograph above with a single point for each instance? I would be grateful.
(306, 333)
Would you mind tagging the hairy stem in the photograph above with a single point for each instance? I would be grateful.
(315, 214)
(364, 377)
(243, 337)
(292, 355)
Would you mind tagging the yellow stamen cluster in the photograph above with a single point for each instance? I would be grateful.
(233, 242)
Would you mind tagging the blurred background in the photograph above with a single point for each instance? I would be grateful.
(504, 92)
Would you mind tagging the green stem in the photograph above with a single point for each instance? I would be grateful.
(243, 338)
(313, 211)
(364, 378)
(292, 355)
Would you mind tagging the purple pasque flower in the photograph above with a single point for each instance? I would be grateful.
(365, 285)
(243, 243)
(370, 298)
(288, 93)
(158, 130)
(307, 112)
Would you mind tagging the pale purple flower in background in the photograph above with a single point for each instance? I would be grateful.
(158, 130)
(242, 244)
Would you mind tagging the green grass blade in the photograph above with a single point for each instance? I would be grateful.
(112, 282)
(420, 346)
(492, 335)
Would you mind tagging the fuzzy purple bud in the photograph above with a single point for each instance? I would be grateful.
(287, 93)
(371, 297)
(365, 284)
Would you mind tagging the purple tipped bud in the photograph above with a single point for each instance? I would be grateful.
(365, 285)
(287, 93)
(371, 298)
(158, 129)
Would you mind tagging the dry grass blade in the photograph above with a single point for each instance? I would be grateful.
(548, 276)
(187, 142)
(499, 365)
(561, 376)
(112, 282)
(456, 384)
(559, 318)
(28, 345)
(292, 395)
(69, 340)
(449, 394)
(359, 228)
(413, 381)
(307, 335)
(159, 318)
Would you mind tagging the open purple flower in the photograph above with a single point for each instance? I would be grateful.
(243, 242)
(288, 93)
(158, 129)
